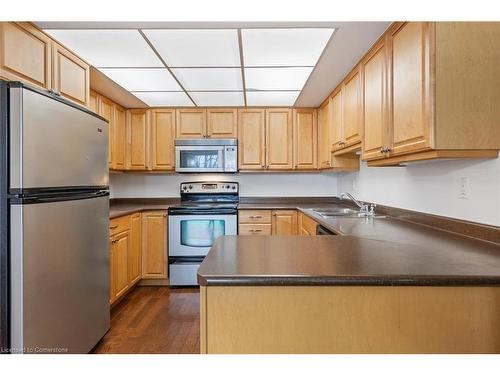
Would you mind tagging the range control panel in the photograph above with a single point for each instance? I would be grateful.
(208, 187)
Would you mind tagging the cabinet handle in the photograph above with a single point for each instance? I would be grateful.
(263, 166)
(113, 227)
(382, 150)
(255, 217)
(255, 230)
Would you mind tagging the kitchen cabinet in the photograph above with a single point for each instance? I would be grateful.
(25, 54)
(251, 138)
(71, 76)
(191, 123)
(375, 114)
(352, 106)
(440, 77)
(134, 254)
(154, 245)
(284, 222)
(106, 110)
(29, 55)
(119, 264)
(324, 152)
(306, 225)
(305, 138)
(279, 136)
(162, 139)
(222, 123)
(94, 101)
(335, 113)
(138, 137)
(120, 137)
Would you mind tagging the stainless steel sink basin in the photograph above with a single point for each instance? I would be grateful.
(342, 212)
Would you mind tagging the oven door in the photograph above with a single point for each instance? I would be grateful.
(199, 158)
(194, 235)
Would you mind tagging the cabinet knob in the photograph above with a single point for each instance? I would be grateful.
(113, 227)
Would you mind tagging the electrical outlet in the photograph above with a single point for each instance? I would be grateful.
(463, 188)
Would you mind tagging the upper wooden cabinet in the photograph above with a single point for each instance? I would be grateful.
(375, 111)
(71, 76)
(94, 101)
(279, 135)
(29, 55)
(162, 139)
(106, 110)
(351, 111)
(305, 138)
(25, 54)
(120, 137)
(154, 245)
(335, 116)
(251, 138)
(138, 137)
(222, 123)
(191, 123)
(442, 79)
(324, 152)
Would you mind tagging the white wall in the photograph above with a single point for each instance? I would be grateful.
(432, 187)
(265, 184)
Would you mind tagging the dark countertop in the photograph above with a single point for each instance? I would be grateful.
(344, 260)
(122, 207)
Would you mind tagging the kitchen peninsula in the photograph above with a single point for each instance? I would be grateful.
(386, 286)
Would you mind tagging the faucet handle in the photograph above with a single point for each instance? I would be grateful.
(372, 208)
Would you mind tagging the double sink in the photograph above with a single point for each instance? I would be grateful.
(343, 212)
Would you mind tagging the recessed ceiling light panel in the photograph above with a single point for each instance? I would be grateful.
(284, 47)
(143, 79)
(216, 99)
(164, 99)
(108, 48)
(276, 78)
(272, 98)
(209, 79)
(196, 48)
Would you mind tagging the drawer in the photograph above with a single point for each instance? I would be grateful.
(307, 225)
(254, 229)
(254, 216)
(119, 224)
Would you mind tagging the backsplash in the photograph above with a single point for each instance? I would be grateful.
(124, 185)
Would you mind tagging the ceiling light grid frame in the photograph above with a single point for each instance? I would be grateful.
(246, 71)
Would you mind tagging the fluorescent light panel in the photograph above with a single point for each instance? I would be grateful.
(190, 48)
(218, 98)
(166, 99)
(276, 78)
(209, 79)
(150, 79)
(272, 98)
(283, 47)
(109, 48)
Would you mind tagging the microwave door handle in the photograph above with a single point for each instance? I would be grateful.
(222, 165)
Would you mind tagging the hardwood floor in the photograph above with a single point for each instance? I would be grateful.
(154, 320)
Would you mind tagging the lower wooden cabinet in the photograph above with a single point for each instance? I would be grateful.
(268, 222)
(306, 225)
(284, 222)
(120, 245)
(135, 249)
(154, 245)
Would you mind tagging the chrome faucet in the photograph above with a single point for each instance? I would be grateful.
(366, 209)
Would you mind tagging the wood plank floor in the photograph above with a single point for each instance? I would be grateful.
(154, 319)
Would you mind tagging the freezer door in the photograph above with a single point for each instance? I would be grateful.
(53, 144)
(59, 275)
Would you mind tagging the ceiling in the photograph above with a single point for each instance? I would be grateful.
(219, 64)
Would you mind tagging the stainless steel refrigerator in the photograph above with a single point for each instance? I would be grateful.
(54, 203)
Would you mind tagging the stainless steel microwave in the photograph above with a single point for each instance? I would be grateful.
(206, 155)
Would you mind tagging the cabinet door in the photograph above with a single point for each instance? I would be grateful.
(106, 110)
(162, 139)
(191, 123)
(71, 76)
(137, 120)
(305, 139)
(409, 59)
(375, 102)
(284, 222)
(336, 127)
(25, 54)
(120, 141)
(94, 101)
(134, 252)
(324, 149)
(154, 245)
(351, 109)
(279, 136)
(251, 139)
(119, 264)
(222, 123)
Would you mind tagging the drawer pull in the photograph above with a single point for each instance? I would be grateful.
(255, 217)
(113, 227)
(255, 230)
